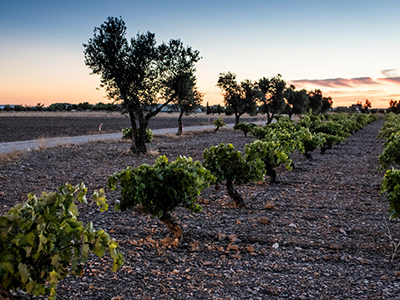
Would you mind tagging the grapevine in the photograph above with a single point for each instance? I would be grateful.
(42, 241)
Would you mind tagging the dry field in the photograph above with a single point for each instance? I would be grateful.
(23, 126)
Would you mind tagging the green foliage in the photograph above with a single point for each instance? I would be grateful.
(271, 153)
(391, 187)
(227, 163)
(162, 187)
(310, 121)
(149, 136)
(286, 140)
(333, 132)
(391, 125)
(259, 132)
(310, 141)
(218, 123)
(391, 151)
(127, 134)
(42, 241)
(245, 127)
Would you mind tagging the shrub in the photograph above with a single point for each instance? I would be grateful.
(245, 127)
(127, 134)
(42, 241)
(162, 187)
(333, 132)
(270, 154)
(392, 125)
(228, 164)
(391, 187)
(310, 141)
(391, 151)
(219, 123)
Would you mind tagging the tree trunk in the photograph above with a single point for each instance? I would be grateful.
(173, 225)
(237, 117)
(180, 126)
(237, 198)
(269, 117)
(138, 134)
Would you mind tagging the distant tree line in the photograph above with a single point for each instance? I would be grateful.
(84, 106)
(271, 96)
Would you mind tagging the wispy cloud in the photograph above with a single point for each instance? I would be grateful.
(335, 82)
(395, 80)
(390, 73)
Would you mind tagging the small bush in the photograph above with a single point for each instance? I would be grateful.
(162, 187)
(245, 127)
(228, 164)
(127, 134)
(218, 123)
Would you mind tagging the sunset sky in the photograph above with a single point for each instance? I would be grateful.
(348, 49)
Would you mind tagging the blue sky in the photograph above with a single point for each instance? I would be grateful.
(348, 49)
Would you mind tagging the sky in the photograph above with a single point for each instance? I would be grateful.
(350, 50)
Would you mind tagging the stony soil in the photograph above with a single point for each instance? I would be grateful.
(320, 232)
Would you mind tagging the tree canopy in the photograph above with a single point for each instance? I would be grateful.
(241, 97)
(137, 73)
(272, 95)
(297, 101)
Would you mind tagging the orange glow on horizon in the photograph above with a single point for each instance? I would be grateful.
(87, 91)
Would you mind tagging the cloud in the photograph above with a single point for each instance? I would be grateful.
(395, 80)
(390, 73)
(336, 82)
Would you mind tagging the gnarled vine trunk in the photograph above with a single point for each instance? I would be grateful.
(271, 173)
(173, 225)
(4, 295)
(237, 198)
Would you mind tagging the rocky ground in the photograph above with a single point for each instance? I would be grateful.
(320, 232)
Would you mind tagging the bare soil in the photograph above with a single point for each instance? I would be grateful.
(320, 232)
(22, 126)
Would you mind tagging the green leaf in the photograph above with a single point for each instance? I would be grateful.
(23, 272)
(30, 286)
(54, 277)
(100, 198)
(73, 209)
(55, 260)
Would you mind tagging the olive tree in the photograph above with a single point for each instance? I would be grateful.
(272, 95)
(136, 72)
(297, 101)
(183, 92)
(241, 97)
